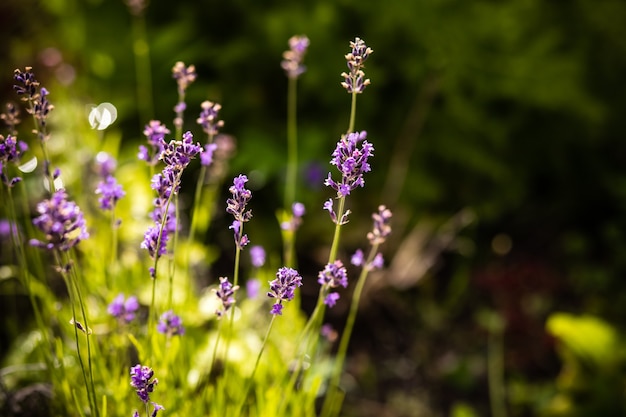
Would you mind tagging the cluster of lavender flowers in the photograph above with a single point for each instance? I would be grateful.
(10, 152)
(380, 231)
(236, 205)
(354, 81)
(141, 379)
(61, 221)
(155, 133)
(333, 275)
(184, 76)
(37, 97)
(283, 288)
(124, 309)
(108, 188)
(352, 162)
(170, 324)
(226, 294)
(176, 155)
(292, 58)
(297, 211)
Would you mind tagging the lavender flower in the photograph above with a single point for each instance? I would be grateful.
(183, 75)
(123, 309)
(11, 117)
(381, 228)
(10, 151)
(283, 288)
(332, 276)
(208, 118)
(111, 192)
(237, 207)
(143, 383)
(8, 228)
(380, 231)
(225, 293)
(351, 161)
(355, 81)
(297, 210)
(61, 221)
(177, 154)
(292, 62)
(155, 133)
(257, 256)
(28, 87)
(170, 324)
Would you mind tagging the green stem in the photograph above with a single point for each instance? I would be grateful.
(256, 365)
(292, 144)
(331, 405)
(352, 113)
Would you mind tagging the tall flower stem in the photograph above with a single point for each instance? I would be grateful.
(66, 266)
(246, 390)
(331, 404)
(352, 113)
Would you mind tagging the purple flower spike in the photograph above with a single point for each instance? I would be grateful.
(381, 228)
(358, 258)
(208, 118)
(351, 161)
(354, 81)
(61, 221)
(183, 75)
(237, 207)
(124, 309)
(226, 293)
(283, 288)
(170, 324)
(141, 380)
(110, 192)
(292, 59)
(10, 152)
(331, 299)
(28, 87)
(178, 154)
(333, 275)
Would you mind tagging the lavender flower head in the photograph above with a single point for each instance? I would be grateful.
(292, 58)
(28, 87)
(155, 133)
(237, 207)
(332, 276)
(283, 288)
(177, 154)
(10, 152)
(206, 157)
(354, 81)
(257, 256)
(110, 192)
(381, 228)
(208, 118)
(61, 221)
(105, 164)
(183, 75)
(123, 309)
(141, 379)
(226, 293)
(170, 324)
(351, 161)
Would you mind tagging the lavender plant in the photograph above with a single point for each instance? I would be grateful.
(289, 370)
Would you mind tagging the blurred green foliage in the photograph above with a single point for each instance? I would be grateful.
(511, 109)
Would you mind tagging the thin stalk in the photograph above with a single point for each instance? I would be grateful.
(170, 298)
(352, 113)
(331, 406)
(70, 290)
(292, 143)
(256, 365)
